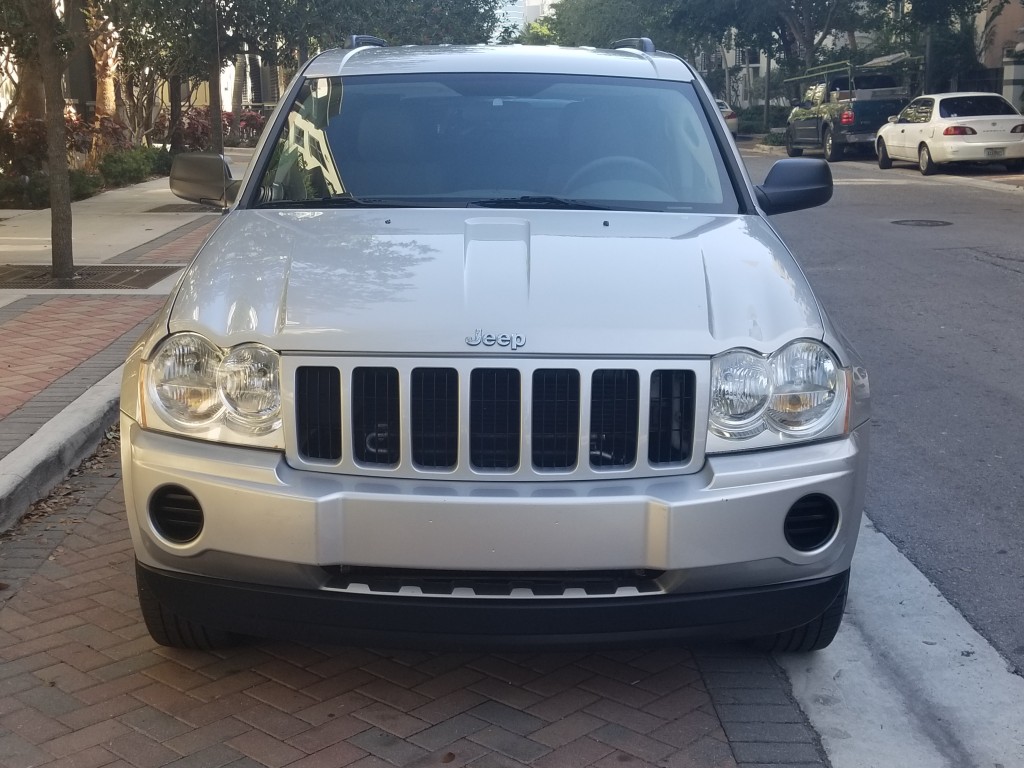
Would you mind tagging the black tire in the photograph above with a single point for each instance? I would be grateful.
(812, 636)
(790, 149)
(924, 161)
(832, 152)
(175, 631)
(884, 161)
(1014, 166)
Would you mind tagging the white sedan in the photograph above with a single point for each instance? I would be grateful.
(732, 120)
(940, 128)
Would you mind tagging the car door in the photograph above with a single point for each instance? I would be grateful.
(804, 119)
(897, 141)
(920, 130)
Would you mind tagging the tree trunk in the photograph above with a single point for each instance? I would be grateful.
(237, 94)
(216, 110)
(31, 96)
(44, 23)
(176, 140)
(103, 46)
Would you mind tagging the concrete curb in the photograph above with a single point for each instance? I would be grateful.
(35, 468)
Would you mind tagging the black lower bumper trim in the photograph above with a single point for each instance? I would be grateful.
(274, 612)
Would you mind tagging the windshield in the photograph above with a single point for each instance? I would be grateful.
(975, 106)
(500, 140)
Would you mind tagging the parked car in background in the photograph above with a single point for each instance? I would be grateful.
(732, 120)
(479, 357)
(942, 128)
(841, 108)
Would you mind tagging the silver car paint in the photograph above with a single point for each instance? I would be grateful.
(721, 527)
(420, 281)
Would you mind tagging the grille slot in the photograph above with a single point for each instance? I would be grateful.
(670, 428)
(376, 418)
(435, 417)
(494, 418)
(318, 412)
(614, 418)
(556, 418)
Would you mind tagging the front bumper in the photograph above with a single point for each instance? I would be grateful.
(274, 535)
(273, 612)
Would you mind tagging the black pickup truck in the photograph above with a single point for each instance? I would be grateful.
(842, 107)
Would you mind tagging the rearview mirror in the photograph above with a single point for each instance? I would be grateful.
(893, 118)
(204, 177)
(795, 184)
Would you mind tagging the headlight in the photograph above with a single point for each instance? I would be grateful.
(184, 379)
(805, 387)
(211, 392)
(250, 384)
(796, 392)
(740, 387)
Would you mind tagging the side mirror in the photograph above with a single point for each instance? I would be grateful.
(894, 118)
(204, 177)
(795, 184)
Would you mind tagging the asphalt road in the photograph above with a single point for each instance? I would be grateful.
(926, 277)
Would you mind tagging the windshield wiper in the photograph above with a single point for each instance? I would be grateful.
(341, 201)
(537, 201)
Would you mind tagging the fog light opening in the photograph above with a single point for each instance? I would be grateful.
(811, 522)
(176, 514)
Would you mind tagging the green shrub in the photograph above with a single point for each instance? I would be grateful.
(84, 184)
(126, 167)
(27, 191)
(752, 118)
(774, 139)
(160, 161)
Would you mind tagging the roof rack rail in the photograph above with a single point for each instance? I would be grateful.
(644, 44)
(358, 41)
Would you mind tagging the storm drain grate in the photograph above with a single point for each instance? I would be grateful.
(923, 223)
(86, 278)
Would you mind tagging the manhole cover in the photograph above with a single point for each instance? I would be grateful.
(86, 278)
(923, 223)
(183, 208)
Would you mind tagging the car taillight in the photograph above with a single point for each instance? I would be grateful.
(732, 115)
(1017, 128)
(847, 117)
(959, 130)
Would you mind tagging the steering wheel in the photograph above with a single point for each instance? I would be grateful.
(625, 168)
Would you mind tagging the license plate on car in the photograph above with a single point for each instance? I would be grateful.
(995, 151)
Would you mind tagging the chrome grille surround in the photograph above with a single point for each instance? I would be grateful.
(696, 371)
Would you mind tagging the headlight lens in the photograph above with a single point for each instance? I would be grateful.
(184, 379)
(198, 386)
(797, 391)
(250, 383)
(805, 386)
(740, 388)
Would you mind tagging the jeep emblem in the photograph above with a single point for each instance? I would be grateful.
(511, 340)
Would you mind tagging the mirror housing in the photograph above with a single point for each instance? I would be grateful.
(205, 178)
(795, 184)
(894, 118)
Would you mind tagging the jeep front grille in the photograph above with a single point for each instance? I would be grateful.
(419, 418)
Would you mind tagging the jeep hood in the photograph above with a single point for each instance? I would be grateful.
(418, 281)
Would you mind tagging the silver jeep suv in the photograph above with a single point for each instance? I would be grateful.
(495, 347)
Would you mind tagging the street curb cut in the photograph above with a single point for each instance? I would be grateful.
(39, 464)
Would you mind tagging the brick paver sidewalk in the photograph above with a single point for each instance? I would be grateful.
(57, 345)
